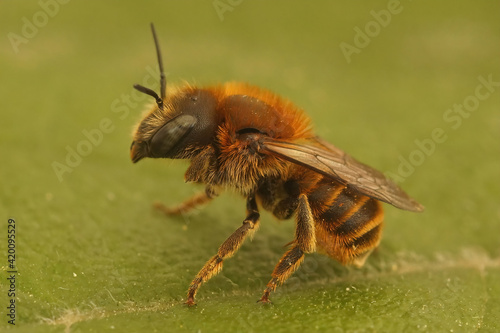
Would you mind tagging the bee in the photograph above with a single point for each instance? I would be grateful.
(246, 139)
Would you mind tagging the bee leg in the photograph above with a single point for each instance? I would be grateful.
(188, 205)
(304, 242)
(226, 250)
(359, 261)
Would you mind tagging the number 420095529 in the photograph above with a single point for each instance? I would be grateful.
(11, 238)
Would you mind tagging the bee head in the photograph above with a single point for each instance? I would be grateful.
(177, 125)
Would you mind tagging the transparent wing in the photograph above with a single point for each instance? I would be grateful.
(332, 162)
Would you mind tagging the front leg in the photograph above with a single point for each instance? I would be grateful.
(226, 250)
(188, 205)
(304, 242)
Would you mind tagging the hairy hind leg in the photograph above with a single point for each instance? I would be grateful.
(304, 242)
(188, 205)
(226, 250)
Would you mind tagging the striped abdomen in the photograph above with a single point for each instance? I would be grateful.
(348, 224)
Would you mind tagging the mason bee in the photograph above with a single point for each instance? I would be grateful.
(246, 139)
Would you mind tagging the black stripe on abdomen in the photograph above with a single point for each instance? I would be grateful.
(359, 219)
(340, 208)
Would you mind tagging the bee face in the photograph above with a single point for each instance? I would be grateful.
(185, 123)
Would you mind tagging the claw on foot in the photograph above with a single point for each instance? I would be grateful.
(264, 300)
(162, 208)
(190, 302)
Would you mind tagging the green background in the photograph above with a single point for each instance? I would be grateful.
(93, 256)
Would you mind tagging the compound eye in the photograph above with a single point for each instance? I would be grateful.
(166, 140)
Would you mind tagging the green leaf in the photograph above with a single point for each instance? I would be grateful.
(93, 256)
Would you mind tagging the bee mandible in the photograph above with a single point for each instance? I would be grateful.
(249, 140)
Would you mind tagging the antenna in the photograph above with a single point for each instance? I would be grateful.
(163, 79)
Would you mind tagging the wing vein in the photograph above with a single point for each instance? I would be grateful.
(330, 161)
